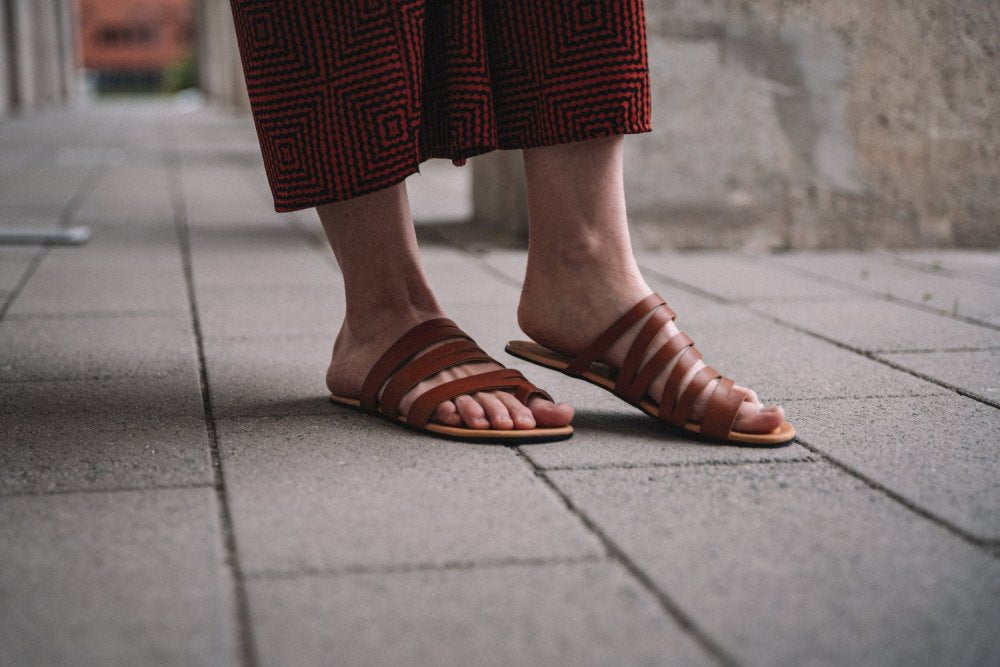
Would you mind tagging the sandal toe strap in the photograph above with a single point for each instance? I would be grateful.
(399, 353)
(424, 367)
(504, 379)
(723, 406)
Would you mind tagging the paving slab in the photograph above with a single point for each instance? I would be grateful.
(268, 375)
(741, 279)
(130, 194)
(114, 579)
(265, 257)
(43, 185)
(344, 490)
(877, 325)
(94, 347)
(938, 452)
(975, 372)
(105, 434)
(792, 564)
(13, 263)
(82, 453)
(981, 265)
(881, 275)
(56, 288)
(238, 311)
(560, 614)
(221, 194)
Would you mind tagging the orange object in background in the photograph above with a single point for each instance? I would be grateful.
(129, 44)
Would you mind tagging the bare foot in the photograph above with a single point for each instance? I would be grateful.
(568, 320)
(354, 354)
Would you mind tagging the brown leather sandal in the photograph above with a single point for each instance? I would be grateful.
(400, 369)
(631, 382)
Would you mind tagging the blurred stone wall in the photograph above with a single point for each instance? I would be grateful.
(38, 58)
(220, 72)
(820, 124)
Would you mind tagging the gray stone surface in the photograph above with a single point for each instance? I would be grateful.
(129, 433)
(983, 265)
(133, 193)
(273, 375)
(114, 579)
(952, 439)
(575, 614)
(65, 287)
(742, 279)
(13, 263)
(258, 256)
(345, 490)
(809, 566)
(238, 311)
(56, 348)
(976, 372)
(873, 324)
(878, 274)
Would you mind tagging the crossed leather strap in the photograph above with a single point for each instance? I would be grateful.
(399, 370)
(633, 381)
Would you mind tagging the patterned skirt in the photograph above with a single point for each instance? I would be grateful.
(350, 96)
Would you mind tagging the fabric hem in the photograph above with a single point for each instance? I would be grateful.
(458, 156)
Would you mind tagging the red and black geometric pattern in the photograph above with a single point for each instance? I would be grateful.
(350, 96)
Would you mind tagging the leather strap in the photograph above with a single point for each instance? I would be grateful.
(424, 367)
(409, 344)
(723, 406)
(701, 379)
(399, 370)
(689, 357)
(655, 365)
(601, 344)
(637, 352)
(503, 379)
(635, 377)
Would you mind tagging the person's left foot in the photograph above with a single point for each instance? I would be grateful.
(566, 320)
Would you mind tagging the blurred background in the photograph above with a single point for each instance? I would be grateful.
(778, 125)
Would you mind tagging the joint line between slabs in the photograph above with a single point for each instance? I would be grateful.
(680, 464)
(172, 162)
(117, 489)
(874, 356)
(989, 545)
(888, 297)
(405, 568)
(616, 553)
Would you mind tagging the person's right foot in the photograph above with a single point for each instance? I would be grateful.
(354, 354)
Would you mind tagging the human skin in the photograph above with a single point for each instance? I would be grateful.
(581, 277)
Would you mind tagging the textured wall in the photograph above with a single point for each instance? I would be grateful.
(805, 124)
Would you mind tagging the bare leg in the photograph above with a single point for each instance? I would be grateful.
(387, 294)
(581, 272)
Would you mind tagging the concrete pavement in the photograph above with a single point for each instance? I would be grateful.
(175, 488)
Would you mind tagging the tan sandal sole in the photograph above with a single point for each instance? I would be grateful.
(491, 436)
(600, 375)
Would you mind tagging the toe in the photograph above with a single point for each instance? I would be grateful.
(447, 414)
(757, 418)
(472, 412)
(754, 398)
(497, 413)
(550, 415)
(523, 419)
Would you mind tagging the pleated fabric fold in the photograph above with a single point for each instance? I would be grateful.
(350, 96)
